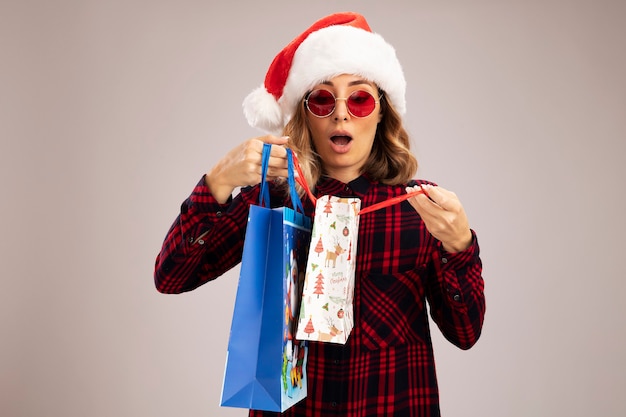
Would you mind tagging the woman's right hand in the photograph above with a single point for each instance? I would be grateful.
(242, 166)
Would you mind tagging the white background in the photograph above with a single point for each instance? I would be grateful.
(110, 111)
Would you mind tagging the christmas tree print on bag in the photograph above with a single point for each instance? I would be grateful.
(326, 311)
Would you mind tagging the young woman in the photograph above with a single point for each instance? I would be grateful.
(335, 95)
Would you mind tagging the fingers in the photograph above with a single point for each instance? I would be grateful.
(277, 166)
(242, 165)
(445, 199)
(275, 140)
(443, 215)
(436, 198)
(423, 203)
(278, 150)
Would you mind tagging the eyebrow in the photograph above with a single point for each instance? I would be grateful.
(350, 84)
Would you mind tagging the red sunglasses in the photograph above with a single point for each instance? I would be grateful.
(321, 103)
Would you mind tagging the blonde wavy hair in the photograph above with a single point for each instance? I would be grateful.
(390, 162)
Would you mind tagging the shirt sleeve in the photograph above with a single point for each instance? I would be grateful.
(456, 294)
(205, 240)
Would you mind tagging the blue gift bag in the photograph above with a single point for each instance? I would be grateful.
(265, 364)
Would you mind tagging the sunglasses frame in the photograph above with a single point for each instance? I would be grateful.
(306, 102)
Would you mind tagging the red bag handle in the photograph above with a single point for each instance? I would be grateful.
(300, 179)
(392, 201)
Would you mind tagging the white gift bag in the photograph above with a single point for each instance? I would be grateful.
(326, 309)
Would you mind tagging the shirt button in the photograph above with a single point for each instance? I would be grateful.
(190, 240)
(334, 404)
(444, 260)
(456, 297)
(201, 241)
(218, 214)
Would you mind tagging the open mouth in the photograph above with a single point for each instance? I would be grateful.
(340, 140)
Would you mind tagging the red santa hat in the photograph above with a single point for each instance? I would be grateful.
(341, 43)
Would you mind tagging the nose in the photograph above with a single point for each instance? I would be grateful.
(341, 109)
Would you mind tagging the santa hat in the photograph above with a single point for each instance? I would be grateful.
(341, 43)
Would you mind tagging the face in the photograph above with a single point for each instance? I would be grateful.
(344, 141)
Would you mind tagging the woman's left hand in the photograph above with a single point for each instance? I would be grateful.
(444, 216)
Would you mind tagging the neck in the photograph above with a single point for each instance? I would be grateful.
(344, 176)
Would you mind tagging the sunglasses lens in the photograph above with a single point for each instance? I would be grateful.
(321, 103)
(361, 103)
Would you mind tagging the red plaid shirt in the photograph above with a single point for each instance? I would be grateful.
(387, 367)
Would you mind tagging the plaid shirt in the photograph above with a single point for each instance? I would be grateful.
(387, 366)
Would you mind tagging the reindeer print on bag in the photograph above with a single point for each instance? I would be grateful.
(331, 256)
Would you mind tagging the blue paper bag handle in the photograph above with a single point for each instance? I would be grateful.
(291, 178)
(264, 194)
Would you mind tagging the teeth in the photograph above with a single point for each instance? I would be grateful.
(341, 140)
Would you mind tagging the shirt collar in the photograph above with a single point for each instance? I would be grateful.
(355, 188)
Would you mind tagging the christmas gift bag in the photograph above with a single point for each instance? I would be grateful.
(326, 311)
(265, 364)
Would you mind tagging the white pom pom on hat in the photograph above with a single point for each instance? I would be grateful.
(341, 43)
